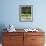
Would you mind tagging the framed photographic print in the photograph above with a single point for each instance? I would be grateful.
(25, 12)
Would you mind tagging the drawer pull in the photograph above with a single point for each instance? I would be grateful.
(10, 38)
(33, 39)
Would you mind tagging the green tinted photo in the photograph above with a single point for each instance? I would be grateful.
(26, 13)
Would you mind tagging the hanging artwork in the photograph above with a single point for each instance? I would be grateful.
(25, 13)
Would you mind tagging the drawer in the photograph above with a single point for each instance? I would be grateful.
(13, 33)
(37, 39)
(37, 44)
(34, 34)
(12, 39)
(12, 44)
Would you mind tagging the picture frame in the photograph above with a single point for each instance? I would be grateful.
(25, 13)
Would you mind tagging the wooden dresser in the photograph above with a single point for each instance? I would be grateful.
(23, 39)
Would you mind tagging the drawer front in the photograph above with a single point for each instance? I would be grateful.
(37, 39)
(37, 44)
(12, 39)
(13, 33)
(12, 44)
(34, 33)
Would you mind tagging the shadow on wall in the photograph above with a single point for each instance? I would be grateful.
(2, 26)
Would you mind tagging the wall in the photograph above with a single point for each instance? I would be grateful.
(10, 13)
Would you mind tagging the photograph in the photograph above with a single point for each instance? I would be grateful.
(26, 14)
